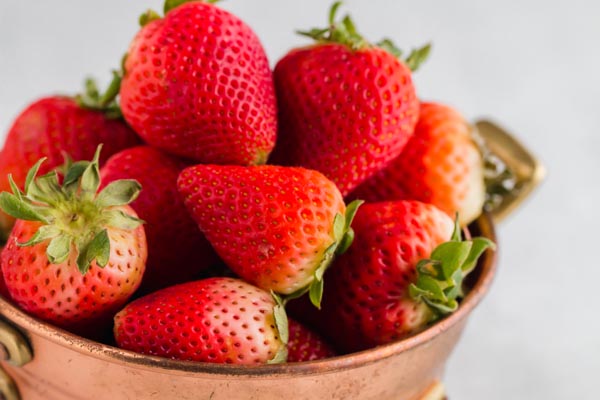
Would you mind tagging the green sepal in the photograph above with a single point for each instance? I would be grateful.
(59, 248)
(342, 32)
(46, 189)
(338, 227)
(30, 176)
(74, 172)
(119, 193)
(148, 16)
(90, 179)
(282, 325)
(44, 233)
(417, 57)
(93, 99)
(346, 242)
(388, 45)
(20, 209)
(440, 278)
(97, 249)
(315, 292)
(120, 220)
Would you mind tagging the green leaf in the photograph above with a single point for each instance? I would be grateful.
(97, 249)
(325, 261)
(442, 308)
(119, 193)
(46, 189)
(171, 4)
(346, 242)
(19, 209)
(45, 232)
(451, 255)
(457, 233)
(418, 57)
(333, 12)
(389, 46)
(113, 90)
(280, 357)
(15, 189)
(281, 320)
(338, 227)
(148, 17)
(480, 244)
(120, 220)
(351, 210)
(315, 292)
(74, 172)
(91, 89)
(59, 249)
(32, 173)
(90, 180)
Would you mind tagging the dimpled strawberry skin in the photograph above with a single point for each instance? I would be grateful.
(177, 250)
(441, 165)
(270, 224)
(198, 84)
(59, 293)
(366, 297)
(342, 112)
(306, 345)
(217, 320)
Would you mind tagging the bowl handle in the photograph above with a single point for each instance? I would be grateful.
(527, 169)
(15, 350)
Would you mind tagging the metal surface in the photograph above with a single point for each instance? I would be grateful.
(528, 170)
(69, 367)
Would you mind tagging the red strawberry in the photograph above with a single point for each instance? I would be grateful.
(74, 257)
(177, 250)
(52, 127)
(198, 84)
(276, 227)
(346, 107)
(441, 165)
(306, 345)
(405, 270)
(3, 289)
(218, 320)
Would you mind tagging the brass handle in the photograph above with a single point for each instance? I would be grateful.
(527, 169)
(15, 350)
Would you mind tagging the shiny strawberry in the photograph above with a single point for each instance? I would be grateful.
(306, 345)
(217, 320)
(441, 165)
(53, 127)
(177, 250)
(276, 227)
(346, 107)
(405, 270)
(74, 256)
(197, 84)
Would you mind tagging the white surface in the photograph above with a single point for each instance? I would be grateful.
(533, 65)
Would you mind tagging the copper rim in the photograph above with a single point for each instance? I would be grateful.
(109, 353)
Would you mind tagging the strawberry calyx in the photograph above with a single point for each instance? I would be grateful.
(74, 216)
(281, 323)
(414, 59)
(93, 99)
(343, 236)
(341, 32)
(440, 278)
(151, 15)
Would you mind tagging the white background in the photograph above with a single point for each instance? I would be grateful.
(533, 65)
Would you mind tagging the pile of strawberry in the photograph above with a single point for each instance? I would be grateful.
(216, 193)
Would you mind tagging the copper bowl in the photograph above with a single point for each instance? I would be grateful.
(46, 363)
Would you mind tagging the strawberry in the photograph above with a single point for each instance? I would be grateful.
(441, 165)
(177, 250)
(276, 227)
(52, 127)
(346, 107)
(74, 257)
(197, 84)
(306, 345)
(217, 320)
(404, 271)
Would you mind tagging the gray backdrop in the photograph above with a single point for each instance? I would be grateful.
(532, 65)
